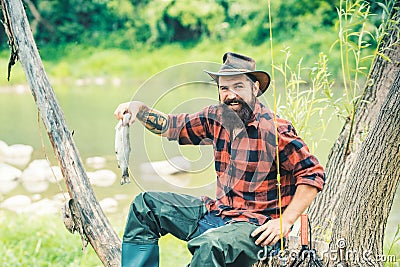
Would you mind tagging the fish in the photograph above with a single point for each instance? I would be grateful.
(123, 147)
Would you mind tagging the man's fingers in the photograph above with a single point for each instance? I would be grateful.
(271, 240)
(258, 230)
(265, 235)
(267, 241)
(118, 113)
(121, 110)
(269, 233)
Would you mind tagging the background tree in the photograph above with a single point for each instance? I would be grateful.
(134, 23)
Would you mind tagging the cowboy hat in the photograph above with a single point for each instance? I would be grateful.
(236, 64)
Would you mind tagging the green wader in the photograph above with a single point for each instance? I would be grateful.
(154, 214)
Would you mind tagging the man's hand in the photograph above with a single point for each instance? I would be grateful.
(131, 107)
(270, 232)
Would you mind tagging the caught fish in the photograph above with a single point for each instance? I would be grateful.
(123, 147)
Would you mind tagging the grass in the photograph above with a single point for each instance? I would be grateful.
(43, 241)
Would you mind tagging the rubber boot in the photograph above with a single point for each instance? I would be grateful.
(134, 255)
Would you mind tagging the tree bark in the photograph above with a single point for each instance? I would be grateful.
(364, 208)
(95, 225)
(386, 65)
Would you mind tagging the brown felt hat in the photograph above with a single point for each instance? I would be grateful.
(236, 64)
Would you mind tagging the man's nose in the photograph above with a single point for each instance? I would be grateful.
(232, 94)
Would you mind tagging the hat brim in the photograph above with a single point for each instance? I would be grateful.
(261, 76)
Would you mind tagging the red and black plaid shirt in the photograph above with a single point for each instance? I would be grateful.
(246, 164)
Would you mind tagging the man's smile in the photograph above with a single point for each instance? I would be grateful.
(234, 104)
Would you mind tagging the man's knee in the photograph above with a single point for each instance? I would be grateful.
(138, 199)
(151, 199)
(141, 225)
(136, 205)
(207, 241)
(232, 243)
(143, 202)
(141, 198)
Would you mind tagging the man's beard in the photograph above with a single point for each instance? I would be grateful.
(236, 119)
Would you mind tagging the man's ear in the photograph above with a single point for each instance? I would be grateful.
(256, 88)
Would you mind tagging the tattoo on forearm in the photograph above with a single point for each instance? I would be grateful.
(154, 121)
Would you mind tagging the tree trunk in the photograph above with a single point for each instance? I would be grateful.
(364, 208)
(324, 209)
(95, 225)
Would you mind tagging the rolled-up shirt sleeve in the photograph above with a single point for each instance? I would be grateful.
(296, 158)
(190, 129)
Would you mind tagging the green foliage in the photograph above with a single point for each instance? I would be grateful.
(306, 99)
(288, 16)
(74, 21)
(133, 23)
(137, 24)
(356, 37)
(196, 16)
(239, 13)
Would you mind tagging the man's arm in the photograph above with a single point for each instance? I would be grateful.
(270, 231)
(154, 120)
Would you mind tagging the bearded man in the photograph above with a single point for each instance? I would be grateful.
(231, 229)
